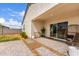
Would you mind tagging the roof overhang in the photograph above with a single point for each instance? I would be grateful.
(60, 11)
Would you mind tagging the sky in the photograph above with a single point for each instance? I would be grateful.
(11, 14)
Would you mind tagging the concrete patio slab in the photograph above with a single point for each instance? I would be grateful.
(56, 45)
(45, 52)
(14, 48)
(38, 49)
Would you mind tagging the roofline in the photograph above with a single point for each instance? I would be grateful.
(25, 14)
(28, 5)
(3, 25)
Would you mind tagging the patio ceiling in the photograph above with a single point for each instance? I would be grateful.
(60, 11)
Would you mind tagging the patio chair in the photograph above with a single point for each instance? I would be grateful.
(73, 31)
(36, 34)
(71, 37)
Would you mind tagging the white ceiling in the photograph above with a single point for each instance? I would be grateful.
(60, 11)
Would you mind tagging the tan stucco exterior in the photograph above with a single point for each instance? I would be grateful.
(39, 15)
(71, 20)
(34, 11)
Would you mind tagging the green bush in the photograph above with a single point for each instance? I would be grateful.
(23, 34)
(43, 32)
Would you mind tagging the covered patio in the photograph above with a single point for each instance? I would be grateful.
(62, 16)
(53, 27)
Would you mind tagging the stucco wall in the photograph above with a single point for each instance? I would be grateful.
(37, 26)
(34, 11)
(38, 9)
(71, 20)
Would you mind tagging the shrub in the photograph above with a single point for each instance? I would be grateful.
(23, 34)
(43, 32)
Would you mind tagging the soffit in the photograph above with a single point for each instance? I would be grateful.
(60, 11)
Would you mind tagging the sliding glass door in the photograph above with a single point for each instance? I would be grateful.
(53, 30)
(62, 29)
(59, 30)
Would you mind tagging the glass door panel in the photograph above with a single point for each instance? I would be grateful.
(59, 30)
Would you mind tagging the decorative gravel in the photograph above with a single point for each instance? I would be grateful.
(14, 48)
